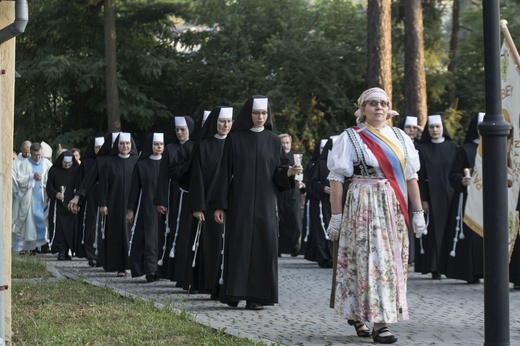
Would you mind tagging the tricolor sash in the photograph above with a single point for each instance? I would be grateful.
(391, 160)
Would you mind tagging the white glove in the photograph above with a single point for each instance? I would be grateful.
(418, 224)
(334, 227)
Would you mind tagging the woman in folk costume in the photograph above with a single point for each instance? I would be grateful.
(207, 237)
(320, 247)
(253, 167)
(62, 180)
(462, 253)
(168, 194)
(372, 228)
(436, 152)
(142, 215)
(115, 180)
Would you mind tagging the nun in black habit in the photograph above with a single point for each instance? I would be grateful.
(463, 250)
(253, 167)
(61, 182)
(436, 154)
(87, 194)
(142, 214)
(311, 203)
(167, 197)
(115, 181)
(207, 242)
(319, 246)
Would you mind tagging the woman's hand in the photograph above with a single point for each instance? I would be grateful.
(219, 216)
(130, 216)
(103, 211)
(199, 216)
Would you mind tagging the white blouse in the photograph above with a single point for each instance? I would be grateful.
(343, 156)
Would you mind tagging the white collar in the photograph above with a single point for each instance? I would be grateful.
(217, 136)
(124, 156)
(437, 141)
(257, 129)
(182, 142)
(155, 157)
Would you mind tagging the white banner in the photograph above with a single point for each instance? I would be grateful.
(473, 215)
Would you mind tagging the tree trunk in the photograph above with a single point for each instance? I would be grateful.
(452, 65)
(415, 78)
(112, 93)
(379, 44)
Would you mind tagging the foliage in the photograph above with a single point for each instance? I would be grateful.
(179, 57)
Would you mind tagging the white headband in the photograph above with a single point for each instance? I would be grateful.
(158, 137)
(322, 143)
(226, 113)
(67, 159)
(434, 119)
(410, 121)
(480, 117)
(114, 136)
(260, 103)
(99, 141)
(376, 94)
(205, 115)
(180, 121)
(124, 137)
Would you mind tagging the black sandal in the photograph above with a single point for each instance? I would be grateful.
(359, 328)
(389, 339)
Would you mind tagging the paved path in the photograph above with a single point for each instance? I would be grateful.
(446, 312)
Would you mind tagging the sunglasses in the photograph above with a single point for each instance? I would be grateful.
(374, 103)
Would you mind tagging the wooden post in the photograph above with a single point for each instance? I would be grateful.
(7, 64)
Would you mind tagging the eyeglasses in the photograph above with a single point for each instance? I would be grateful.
(374, 103)
(257, 113)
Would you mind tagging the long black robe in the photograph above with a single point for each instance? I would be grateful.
(147, 220)
(468, 263)
(436, 160)
(306, 220)
(66, 223)
(319, 249)
(114, 184)
(253, 167)
(514, 263)
(289, 213)
(203, 170)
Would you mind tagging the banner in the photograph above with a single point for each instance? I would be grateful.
(473, 214)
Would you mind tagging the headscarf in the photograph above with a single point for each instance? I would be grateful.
(244, 119)
(425, 137)
(59, 161)
(472, 133)
(89, 152)
(368, 95)
(147, 150)
(210, 127)
(191, 128)
(115, 147)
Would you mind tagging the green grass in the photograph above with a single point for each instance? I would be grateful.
(27, 267)
(69, 312)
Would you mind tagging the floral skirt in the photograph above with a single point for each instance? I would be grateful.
(373, 255)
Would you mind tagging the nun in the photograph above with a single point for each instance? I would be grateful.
(205, 257)
(167, 193)
(61, 182)
(115, 181)
(436, 154)
(253, 167)
(142, 214)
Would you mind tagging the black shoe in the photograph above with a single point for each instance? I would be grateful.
(361, 332)
(62, 256)
(92, 262)
(473, 281)
(45, 249)
(436, 276)
(254, 306)
(295, 253)
(151, 277)
(233, 304)
(68, 258)
(376, 336)
(326, 264)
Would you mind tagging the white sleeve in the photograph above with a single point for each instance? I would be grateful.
(339, 161)
(412, 161)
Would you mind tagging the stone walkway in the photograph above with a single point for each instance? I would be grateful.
(445, 312)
